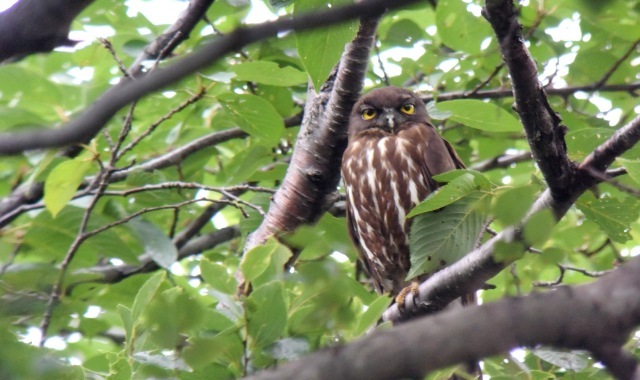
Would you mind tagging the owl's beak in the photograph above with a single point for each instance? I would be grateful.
(389, 117)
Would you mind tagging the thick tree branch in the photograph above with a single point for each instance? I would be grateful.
(541, 123)
(92, 120)
(314, 170)
(420, 346)
(37, 26)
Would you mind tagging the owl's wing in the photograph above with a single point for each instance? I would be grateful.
(353, 234)
(456, 159)
(438, 155)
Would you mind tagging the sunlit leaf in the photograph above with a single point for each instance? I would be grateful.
(62, 183)
(458, 28)
(254, 115)
(372, 315)
(268, 73)
(611, 214)
(480, 115)
(320, 49)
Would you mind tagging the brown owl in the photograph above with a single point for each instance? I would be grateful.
(393, 152)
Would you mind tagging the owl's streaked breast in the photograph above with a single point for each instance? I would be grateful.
(384, 181)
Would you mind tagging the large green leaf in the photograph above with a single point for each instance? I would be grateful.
(480, 115)
(268, 73)
(633, 168)
(156, 243)
(462, 183)
(440, 238)
(320, 49)
(254, 115)
(614, 216)
(267, 316)
(512, 204)
(62, 183)
(458, 28)
(265, 262)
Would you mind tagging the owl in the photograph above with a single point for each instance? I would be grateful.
(387, 169)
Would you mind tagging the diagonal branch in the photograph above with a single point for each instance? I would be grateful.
(314, 170)
(541, 123)
(418, 347)
(92, 120)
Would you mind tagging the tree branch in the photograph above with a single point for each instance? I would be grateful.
(414, 349)
(314, 170)
(541, 123)
(472, 271)
(92, 120)
(37, 26)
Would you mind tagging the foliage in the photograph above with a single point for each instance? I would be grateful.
(129, 309)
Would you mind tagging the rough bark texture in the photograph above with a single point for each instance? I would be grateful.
(609, 309)
(541, 123)
(314, 170)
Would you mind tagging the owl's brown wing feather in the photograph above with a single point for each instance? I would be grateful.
(438, 156)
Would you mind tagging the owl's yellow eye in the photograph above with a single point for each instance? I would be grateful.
(369, 114)
(408, 108)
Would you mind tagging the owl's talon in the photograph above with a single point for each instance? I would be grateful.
(413, 289)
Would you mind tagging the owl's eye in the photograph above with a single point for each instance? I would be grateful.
(369, 114)
(408, 108)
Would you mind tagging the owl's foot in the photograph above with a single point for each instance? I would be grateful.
(411, 289)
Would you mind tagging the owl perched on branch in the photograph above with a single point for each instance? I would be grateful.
(393, 152)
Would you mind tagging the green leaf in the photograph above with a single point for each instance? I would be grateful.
(267, 314)
(256, 261)
(216, 276)
(320, 49)
(146, 293)
(119, 368)
(613, 216)
(62, 183)
(156, 243)
(264, 262)
(268, 73)
(480, 115)
(458, 28)
(370, 317)
(512, 205)
(254, 115)
(441, 238)
(538, 228)
(508, 251)
(570, 360)
(127, 322)
(633, 168)
(202, 351)
(463, 183)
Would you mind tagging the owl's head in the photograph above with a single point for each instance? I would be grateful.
(387, 109)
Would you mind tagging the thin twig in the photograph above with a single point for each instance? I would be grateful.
(107, 44)
(201, 92)
(602, 177)
(616, 65)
